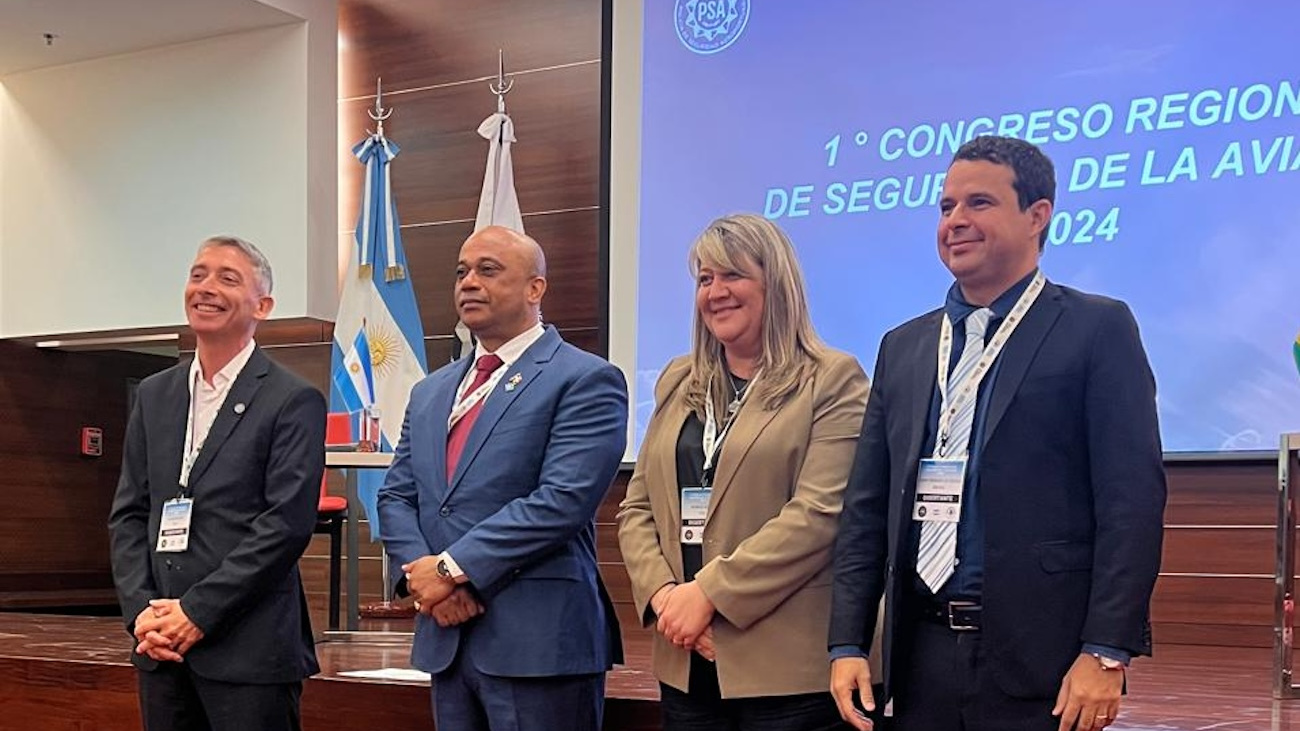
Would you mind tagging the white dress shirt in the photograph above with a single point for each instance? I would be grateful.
(205, 401)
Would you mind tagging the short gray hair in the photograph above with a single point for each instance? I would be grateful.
(261, 266)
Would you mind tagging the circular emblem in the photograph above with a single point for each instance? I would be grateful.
(709, 26)
(920, 512)
(385, 348)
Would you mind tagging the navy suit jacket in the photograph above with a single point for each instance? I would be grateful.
(517, 514)
(256, 485)
(1072, 492)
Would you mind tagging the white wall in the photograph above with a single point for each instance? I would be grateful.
(113, 170)
(321, 266)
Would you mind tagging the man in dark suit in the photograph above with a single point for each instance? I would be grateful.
(503, 459)
(215, 505)
(1012, 519)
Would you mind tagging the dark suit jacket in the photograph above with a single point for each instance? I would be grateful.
(517, 514)
(255, 484)
(1072, 492)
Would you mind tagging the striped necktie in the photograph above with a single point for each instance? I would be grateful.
(936, 556)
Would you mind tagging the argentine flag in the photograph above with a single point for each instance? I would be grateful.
(355, 380)
(377, 309)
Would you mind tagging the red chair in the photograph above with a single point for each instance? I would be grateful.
(332, 512)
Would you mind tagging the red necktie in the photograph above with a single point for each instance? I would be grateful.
(459, 433)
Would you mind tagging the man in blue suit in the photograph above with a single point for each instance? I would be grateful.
(1008, 505)
(488, 507)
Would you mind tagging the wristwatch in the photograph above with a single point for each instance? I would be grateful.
(444, 571)
(1107, 663)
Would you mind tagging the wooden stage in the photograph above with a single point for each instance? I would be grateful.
(65, 673)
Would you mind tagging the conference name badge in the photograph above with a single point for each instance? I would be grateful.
(174, 531)
(938, 490)
(695, 508)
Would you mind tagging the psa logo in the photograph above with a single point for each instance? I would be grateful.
(709, 26)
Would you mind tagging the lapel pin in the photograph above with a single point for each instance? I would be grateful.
(239, 408)
(514, 381)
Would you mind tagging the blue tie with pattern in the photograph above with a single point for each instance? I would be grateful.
(936, 556)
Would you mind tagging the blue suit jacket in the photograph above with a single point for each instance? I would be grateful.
(517, 514)
(1072, 491)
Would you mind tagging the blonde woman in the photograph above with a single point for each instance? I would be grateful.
(727, 527)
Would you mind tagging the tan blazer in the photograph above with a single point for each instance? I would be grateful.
(768, 534)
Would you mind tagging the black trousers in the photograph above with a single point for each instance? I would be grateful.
(945, 685)
(704, 709)
(173, 698)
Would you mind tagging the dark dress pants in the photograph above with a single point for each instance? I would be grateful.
(172, 698)
(946, 685)
(704, 709)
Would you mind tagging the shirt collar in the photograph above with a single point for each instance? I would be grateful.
(513, 348)
(228, 373)
(957, 308)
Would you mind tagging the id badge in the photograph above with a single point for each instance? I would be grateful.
(938, 490)
(174, 531)
(695, 508)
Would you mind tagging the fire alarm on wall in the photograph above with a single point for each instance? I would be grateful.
(92, 441)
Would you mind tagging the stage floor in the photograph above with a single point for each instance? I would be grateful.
(60, 672)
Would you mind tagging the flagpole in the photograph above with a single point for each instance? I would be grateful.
(377, 307)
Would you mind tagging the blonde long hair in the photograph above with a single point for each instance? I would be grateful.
(790, 346)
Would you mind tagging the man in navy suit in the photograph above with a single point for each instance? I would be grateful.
(1012, 519)
(216, 503)
(488, 507)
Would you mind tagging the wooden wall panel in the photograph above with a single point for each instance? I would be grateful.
(1220, 530)
(1211, 493)
(414, 43)
(53, 530)
(438, 175)
(309, 360)
(1206, 632)
(572, 286)
(275, 332)
(1230, 551)
(1243, 601)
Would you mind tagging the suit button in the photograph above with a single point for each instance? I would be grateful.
(444, 512)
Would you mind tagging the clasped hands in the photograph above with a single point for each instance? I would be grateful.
(164, 632)
(685, 617)
(437, 597)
